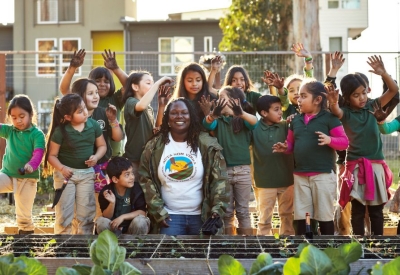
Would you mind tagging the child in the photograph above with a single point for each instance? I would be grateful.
(70, 142)
(313, 138)
(233, 131)
(139, 92)
(107, 119)
(192, 85)
(273, 173)
(368, 189)
(23, 154)
(122, 201)
(104, 81)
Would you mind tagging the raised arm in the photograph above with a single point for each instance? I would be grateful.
(148, 97)
(216, 65)
(116, 132)
(234, 104)
(300, 51)
(332, 95)
(76, 61)
(163, 97)
(337, 62)
(378, 68)
(111, 63)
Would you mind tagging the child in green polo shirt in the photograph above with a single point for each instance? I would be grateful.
(122, 202)
(233, 130)
(367, 177)
(273, 173)
(23, 155)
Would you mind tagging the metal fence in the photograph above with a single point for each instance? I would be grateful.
(38, 74)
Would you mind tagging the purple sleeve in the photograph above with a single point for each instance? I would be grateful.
(36, 159)
(339, 140)
(290, 142)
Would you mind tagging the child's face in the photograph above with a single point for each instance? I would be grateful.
(293, 91)
(79, 116)
(104, 86)
(21, 119)
(144, 85)
(224, 95)
(306, 103)
(91, 97)
(273, 115)
(193, 83)
(359, 98)
(126, 179)
(238, 81)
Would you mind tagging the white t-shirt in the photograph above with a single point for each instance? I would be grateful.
(181, 174)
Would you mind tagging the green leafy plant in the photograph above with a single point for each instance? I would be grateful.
(108, 258)
(390, 268)
(10, 265)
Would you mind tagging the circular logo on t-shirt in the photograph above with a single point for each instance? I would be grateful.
(178, 168)
(101, 123)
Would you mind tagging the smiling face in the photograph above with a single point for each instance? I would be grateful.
(178, 119)
(144, 85)
(359, 98)
(126, 179)
(238, 81)
(293, 91)
(193, 84)
(21, 119)
(91, 97)
(104, 86)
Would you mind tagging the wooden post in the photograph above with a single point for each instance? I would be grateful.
(2, 102)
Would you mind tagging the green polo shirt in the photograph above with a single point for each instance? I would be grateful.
(82, 141)
(363, 133)
(19, 149)
(252, 98)
(236, 146)
(308, 155)
(271, 170)
(138, 129)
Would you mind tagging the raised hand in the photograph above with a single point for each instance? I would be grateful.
(216, 63)
(164, 95)
(77, 58)
(300, 51)
(323, 139)
(206, 104)
(377, 65)
(267, 79)
(337, 60)
(234, 104)
(332, 95)
(109, 60)
(378, 112)
(166, 81)
(109, 196)
(273, 79)
(111, 112)
(280, 147)
(219, 105)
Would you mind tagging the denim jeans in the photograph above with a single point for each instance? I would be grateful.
(183, 225)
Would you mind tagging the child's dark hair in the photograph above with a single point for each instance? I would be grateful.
(98, 73)
(134, 78)
(364, 77)
(23, 102)
(349, 84)
(236, 93)
(231, 72)
(316, 88)
(264, 102)
(67, 105)
(80, 85)
(116, 166)
(194, 128)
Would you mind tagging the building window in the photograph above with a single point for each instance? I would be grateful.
(333, 4)
(208, 44)
(344, 4)
(48, 62)
(57, 11)
(173, 53)
(335, 44)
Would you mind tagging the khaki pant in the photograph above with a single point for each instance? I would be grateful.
(267, 198)
(140, 225)
(24, 196)
(77, 207)
(240, 181)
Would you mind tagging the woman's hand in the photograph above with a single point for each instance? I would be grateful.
(164, 223)
(377, 65)
(280, 147)
(77, 58)
(109, 60)
(323, 139)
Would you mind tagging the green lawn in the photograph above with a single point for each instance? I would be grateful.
(394, 165)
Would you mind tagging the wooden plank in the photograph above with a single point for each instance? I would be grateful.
(13, 230)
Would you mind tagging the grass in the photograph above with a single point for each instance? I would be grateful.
(394, 165)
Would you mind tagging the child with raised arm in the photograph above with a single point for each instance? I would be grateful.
(273, 173)
(139, 118)
(313, 138)
(232, 122)
(104, 81)
(369, 188)
(122, 202)
(70, 142)
(23, 154)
